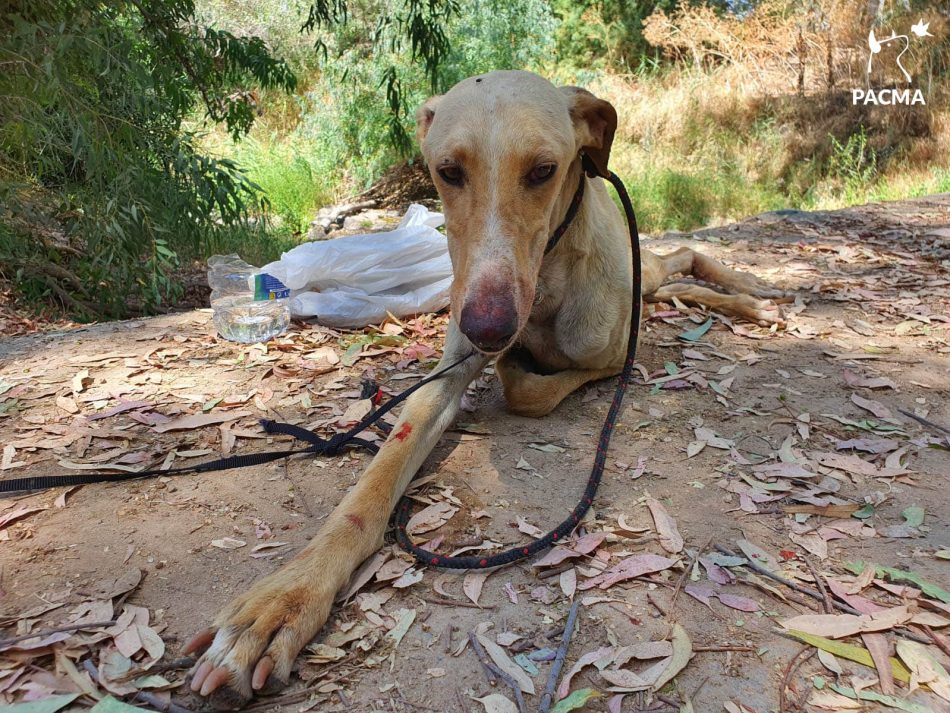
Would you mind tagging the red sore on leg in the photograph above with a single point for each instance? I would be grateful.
(356, 520)
(403, 433)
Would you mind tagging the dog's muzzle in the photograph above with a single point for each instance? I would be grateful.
(490, 322)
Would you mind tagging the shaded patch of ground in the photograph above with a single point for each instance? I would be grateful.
(16, 319)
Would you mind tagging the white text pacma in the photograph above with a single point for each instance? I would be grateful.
(887, 97)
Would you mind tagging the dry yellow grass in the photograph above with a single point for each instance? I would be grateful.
(758, 115)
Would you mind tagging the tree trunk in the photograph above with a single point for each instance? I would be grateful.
(801, 62)
(830, 61)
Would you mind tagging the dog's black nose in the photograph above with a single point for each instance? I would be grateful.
(490, 324)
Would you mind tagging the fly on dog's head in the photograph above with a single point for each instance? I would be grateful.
(500, 148)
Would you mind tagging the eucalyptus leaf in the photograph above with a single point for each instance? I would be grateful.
(890, 701)
(578, 699)
(858, 654)
(914, 516)
(113, 705)
(46, 705)
(900, 575)
(694, 335)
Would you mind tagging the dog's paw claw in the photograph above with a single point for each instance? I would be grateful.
(216, 681)
(199, 642)
(262, 672)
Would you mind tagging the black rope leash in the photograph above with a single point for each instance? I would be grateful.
(403, 509)
(350, 439)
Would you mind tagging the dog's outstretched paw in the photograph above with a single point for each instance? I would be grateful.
(764, 313)
(253, 644)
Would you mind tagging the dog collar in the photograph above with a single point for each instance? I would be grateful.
(589, 169)
(571, 213)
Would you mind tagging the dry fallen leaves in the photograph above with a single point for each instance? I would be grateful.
(629, 568)
(431, 518)
(473, 583)
(836, 626)
(670, 538)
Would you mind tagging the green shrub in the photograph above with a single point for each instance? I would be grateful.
(102, 189)
(853, 164)
(295, 179)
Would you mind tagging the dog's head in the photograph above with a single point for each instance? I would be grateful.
(499, 148)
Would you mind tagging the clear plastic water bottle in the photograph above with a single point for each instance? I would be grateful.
(248, 306)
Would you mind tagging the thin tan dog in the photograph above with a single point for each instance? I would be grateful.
(504, 152)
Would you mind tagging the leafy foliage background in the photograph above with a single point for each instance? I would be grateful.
(102, 185)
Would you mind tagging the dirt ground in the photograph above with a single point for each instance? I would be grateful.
(871, 321)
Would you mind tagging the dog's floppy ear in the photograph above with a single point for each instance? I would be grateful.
(595, 122)
(424, 116)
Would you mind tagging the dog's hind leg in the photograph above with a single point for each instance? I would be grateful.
(703, 267)
(762, 312)
(255, 639)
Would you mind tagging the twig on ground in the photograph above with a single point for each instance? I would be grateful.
(461, 701)
(657, 582)
(558, 663)
(825, 599)
(284, 700)
(682, 578)
(788, 596)
(453, 603)
(656, 604)
(55, 630)
(937, 639)
(790, 670)
(670, 701)
(143, 696)
(657, 707)
(728, 647)
(173, 665)
(493, 672)
(483, 659)
(698, 689)
(449, 631)
(924, 421)
(159, 704)
(555, 571)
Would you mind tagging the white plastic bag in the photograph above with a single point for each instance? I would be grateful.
(355, 280)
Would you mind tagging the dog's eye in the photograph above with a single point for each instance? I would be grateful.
(451, 174)
(539, 174)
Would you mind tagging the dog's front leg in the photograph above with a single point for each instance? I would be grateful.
(255, 639)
